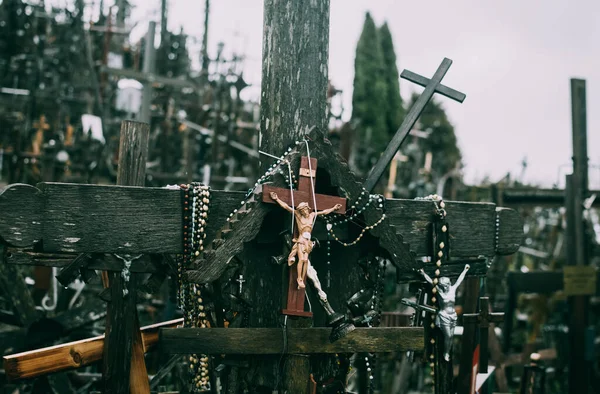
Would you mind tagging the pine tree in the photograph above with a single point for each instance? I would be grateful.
(442, 141)
(368, 97)
(394, 112)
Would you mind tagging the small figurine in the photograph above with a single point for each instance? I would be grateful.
(303, 244)
(446, 316)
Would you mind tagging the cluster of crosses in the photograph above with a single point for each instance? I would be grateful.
(128, 230)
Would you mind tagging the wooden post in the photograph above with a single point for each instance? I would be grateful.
(469, 338)
(123, 362)
(149, 60)
(293, 102)
(577, 243)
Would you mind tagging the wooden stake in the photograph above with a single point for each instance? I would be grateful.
(124, 370)
(71, 355)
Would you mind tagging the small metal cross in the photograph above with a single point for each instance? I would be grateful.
(125, 273)
(241, 281)
(483, 319)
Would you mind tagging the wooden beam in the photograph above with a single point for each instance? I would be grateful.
(71, 355)
(299, 340)
(119, 219)
(549, 198)
(151, 78)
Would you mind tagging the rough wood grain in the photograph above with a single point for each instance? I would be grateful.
(63, 260)
(124, 369)
(509, 231)
(113, 219)
(71, 355)
(242, 227)
(21, 220)
(390, 238)
(299, 340)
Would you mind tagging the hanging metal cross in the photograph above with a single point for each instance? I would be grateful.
(432, 86)
(483, 319)
(241, 281)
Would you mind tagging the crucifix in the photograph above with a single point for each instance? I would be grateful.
(303, 199)
(483, 319)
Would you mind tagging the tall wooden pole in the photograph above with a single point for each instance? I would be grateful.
(124, 370)
(577, 243)
(204, 52)
(149, 60)
(293, 102)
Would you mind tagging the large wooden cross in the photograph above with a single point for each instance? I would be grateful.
(304, 193)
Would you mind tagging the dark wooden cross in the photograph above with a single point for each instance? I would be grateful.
(304, 193)
(432, 86)
(483, 319)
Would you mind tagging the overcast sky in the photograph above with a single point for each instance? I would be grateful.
(512, 58)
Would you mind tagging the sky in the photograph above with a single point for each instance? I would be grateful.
(512, 58)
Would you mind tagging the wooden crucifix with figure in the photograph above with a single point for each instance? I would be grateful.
(300, 202)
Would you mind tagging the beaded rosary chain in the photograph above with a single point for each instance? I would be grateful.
(440, 247)
(196, 200)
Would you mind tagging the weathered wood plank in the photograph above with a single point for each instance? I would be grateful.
(21, 220)
(71, 355)
(106, 263)
(548, 198)
(299, 340)
(118, 219)
(509, 230)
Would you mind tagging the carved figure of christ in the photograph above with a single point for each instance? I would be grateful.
(305, 193)
(303, 244)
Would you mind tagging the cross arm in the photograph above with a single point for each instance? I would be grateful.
(152, 78)
(299, 340)
(300, 196)
(133, 220)
(441, 89)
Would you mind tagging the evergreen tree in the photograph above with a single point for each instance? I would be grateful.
(394, 112)
(368, 97)
(442, 141)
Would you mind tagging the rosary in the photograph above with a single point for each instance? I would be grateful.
(196, 199)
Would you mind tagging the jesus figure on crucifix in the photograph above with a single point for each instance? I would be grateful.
(303, 244)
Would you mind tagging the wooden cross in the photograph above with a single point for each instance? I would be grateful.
(432, 86)
(41, 126)
(304, 193)
(483, 319)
